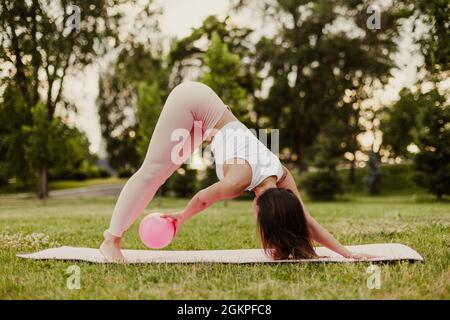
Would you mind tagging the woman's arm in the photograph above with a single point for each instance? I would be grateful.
(230, 187)
(318, 233)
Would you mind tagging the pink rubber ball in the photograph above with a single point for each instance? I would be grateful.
(156, 232)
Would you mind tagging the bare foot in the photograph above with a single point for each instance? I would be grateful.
(110, 248)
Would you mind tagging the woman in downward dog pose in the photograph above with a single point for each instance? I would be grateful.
(243, 162)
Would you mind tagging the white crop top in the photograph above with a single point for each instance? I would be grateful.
(235, 141)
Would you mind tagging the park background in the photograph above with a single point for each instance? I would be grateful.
(362, 107)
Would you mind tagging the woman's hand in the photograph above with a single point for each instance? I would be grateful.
(359, 256)
(178, 217)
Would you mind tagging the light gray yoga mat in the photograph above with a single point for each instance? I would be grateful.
(383, 251)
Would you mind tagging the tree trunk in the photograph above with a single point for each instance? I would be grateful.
(301, 164)
(43, 184)
(351, 173)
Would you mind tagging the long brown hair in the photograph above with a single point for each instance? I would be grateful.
(282, 225)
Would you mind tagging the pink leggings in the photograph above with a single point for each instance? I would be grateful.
(190, 107)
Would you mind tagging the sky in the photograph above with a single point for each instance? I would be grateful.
(178, 18)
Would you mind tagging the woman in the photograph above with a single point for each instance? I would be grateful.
(286, 228)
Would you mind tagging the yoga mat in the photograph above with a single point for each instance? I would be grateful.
(385, 251)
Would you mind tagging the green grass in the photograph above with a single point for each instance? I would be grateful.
(395, 179)
(62, 184)
(67, 184)
(420, 223)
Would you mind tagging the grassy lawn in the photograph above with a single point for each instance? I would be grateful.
(63, 184)
(418, 222)
(67, 184)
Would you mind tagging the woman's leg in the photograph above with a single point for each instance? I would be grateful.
(188, 105)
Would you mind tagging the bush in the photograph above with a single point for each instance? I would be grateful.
(83, 173)
(183, 183)
(76, 174)
(96, 172)
(432, 163)
(209, 178)
(102, 173)
(322, 185)
(3, 174)
(124, 173)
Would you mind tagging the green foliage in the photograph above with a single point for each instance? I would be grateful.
(86, 171)
(14, 113)
(397, 179)
(316, 74)
(337, 138)
(52, 144)
(45, 44)
(222, 75)
(422, 119)
(124, 172)
(40, 46)
(190, 51)
(432, 163)
(44, 139)
(149, 106)
(29, 140)
(398, 124)
(434, 43)
(322, 185)
(314, 69)
(209, 178)
(183, 183)
(130, 98)
(372, 179)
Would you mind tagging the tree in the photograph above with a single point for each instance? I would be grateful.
(149, 106)
(223, 69)
(432, 134)
(14, 113)
(322, 185)
(132, 89)
(183, 183)
(42, 41)
(337, 139)
(50, 143)
(209, 178)
(77, 162)
(231, 45)
(398, 124)
(311, 64)
(434, 43)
